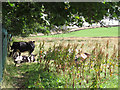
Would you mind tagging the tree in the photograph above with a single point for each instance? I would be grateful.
(20, 18)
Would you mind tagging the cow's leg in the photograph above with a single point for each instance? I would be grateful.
(29, 60)
(16, 51)
(10, 54)
(19, 53)
(8, 47)
(15, 64)
(13, 52)
(30, 51)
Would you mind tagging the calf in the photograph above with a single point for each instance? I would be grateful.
(22, 47)
(21, 59)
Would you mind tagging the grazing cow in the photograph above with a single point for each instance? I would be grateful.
(22, 47)
(21, 59)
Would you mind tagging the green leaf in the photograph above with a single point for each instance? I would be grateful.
(77, 17)
(11, 4)
(104, 2)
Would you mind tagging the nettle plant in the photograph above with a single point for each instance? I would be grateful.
(88, 72)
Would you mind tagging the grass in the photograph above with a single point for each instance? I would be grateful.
(27, 76)
(33, 75)
(94, 32)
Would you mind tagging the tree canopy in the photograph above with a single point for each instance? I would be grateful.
(28, 17)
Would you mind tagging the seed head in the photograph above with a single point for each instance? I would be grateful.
(107, 56)
(107, 44)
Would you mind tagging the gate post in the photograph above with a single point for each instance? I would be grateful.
(1, 44)
(4, 52)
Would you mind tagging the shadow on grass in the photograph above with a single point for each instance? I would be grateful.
(30, 75)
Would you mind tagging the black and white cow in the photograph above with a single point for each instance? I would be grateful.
(22, 47)
(22, 59)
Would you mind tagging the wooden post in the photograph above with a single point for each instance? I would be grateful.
(1, 43)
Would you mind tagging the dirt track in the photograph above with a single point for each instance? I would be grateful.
(78, 38)
(69, 38)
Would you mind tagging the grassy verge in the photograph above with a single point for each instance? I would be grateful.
(33, 75)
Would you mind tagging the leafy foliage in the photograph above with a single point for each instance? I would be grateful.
(21, 17)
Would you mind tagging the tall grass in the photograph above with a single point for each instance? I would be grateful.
(85, 73)
(58, 69)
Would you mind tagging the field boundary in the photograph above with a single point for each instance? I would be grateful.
(83, 28)
(75, 29)
(75, 38)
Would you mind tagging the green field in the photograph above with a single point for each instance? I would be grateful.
(95, 32)
(35, 75)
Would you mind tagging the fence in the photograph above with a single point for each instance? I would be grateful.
(4, 51)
